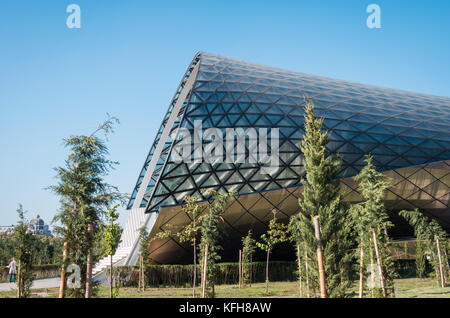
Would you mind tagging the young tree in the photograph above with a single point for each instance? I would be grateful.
(210, 231)
(322, 227)
(111, 240)
(248, 249)
(84, 197)
(371, 222)
(433, 240)
(25, 242)
(189, 233)
(144, 259)
(277, 233)
(360, 225)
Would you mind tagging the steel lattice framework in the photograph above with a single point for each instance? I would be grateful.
(408, 134)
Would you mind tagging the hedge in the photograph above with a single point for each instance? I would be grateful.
(182, 275)
(40, 271)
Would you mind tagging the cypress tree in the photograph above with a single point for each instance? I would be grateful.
(321, 201)
(371, 222)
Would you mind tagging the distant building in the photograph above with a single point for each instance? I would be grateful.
(7, 230)
(38, 227)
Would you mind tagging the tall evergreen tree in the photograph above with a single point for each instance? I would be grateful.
(371, 223)
(84, 197)
(321, 202)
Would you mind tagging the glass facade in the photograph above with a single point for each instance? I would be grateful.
(408, 134)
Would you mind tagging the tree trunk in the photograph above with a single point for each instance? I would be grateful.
(139, 275)
(267, 271)
(88, 293)
(445, 263)
(62, 283)
(379, 263)
(110, 275)
(361, 271)
(204, 272)
(306, 272)
(320, 265)
(195, 269)
(143, 274)
(18, 280)
(441, 267)
(372, 276)
(250, 271)
(240, 269)
(141, 286)
(299, 266)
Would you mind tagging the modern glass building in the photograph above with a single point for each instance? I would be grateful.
(408, 134)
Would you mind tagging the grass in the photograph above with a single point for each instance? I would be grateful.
(405, 288)
(420, 288)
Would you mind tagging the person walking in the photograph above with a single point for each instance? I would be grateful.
(12, 270)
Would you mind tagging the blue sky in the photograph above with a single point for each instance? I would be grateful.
(128, 58)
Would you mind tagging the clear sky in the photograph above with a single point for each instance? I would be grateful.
(129, 56)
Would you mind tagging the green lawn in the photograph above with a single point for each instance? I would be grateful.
(405, 288)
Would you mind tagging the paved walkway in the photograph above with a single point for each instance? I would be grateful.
(38, 283)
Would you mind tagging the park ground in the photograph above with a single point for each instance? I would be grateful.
(405, 288)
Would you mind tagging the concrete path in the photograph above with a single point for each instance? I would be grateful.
(38, 283)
